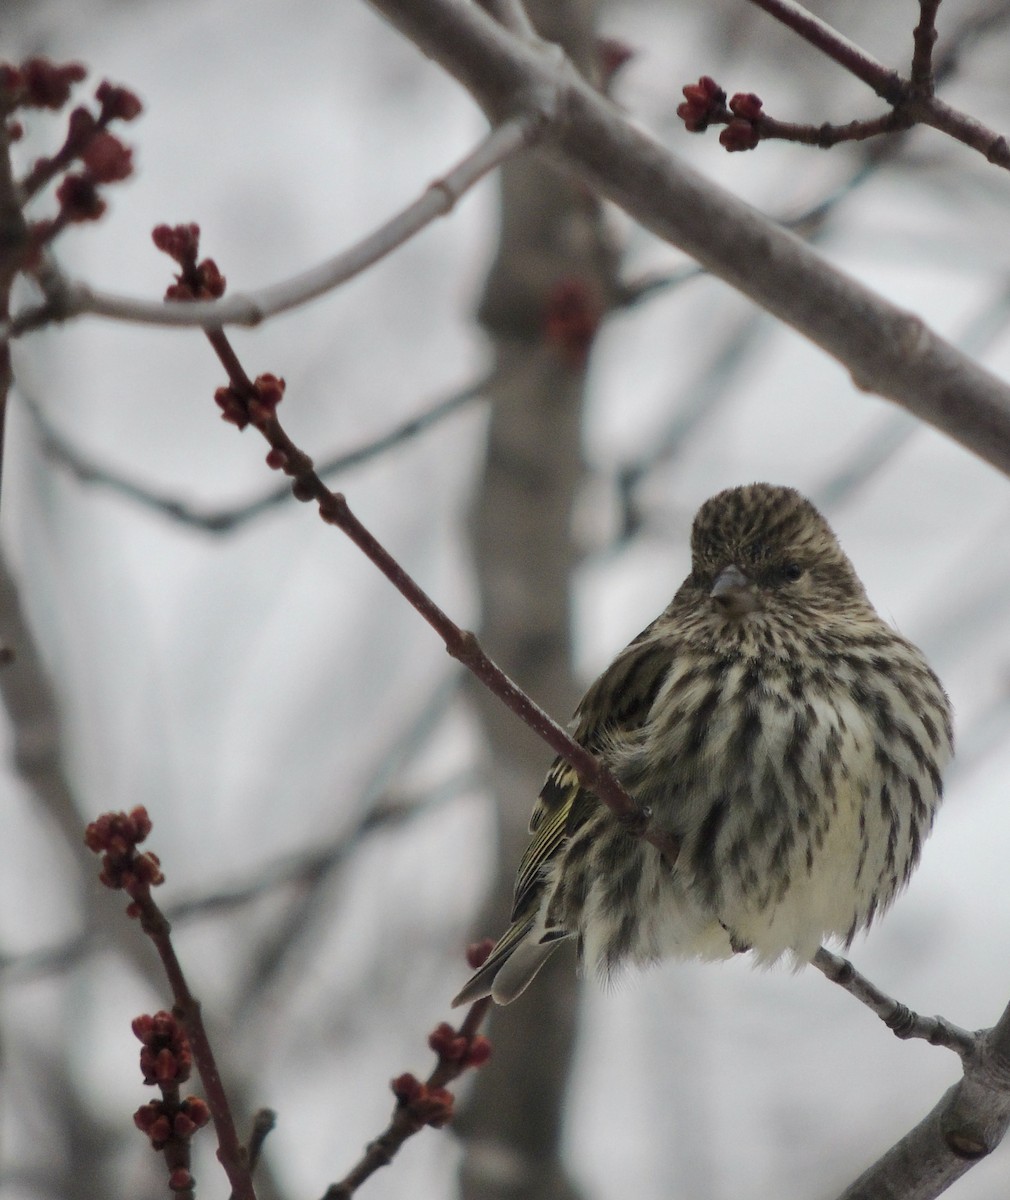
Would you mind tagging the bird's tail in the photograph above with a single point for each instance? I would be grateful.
(512, 964)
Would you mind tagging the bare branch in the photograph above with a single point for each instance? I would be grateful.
(888, 350)
(66, 298)
(924, 39)
(912, 99)
(887, 83)
(968, 1123)
(228, 519)
(901, 1020)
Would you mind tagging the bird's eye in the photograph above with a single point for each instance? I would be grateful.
(791, 572)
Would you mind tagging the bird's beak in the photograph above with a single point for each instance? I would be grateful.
(733, 592)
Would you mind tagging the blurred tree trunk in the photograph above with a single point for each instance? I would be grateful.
(548, 285)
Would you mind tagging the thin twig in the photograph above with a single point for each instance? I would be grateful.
(404, 1123)
(231, 1154)
(226, 520)
(924, 39)
(912, 99)
(887, 83)
(299, 870)
(244, 404)
(67, 298)
(901, 1020)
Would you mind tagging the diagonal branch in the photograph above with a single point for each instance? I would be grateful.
(968, 1123)
(885, 81)
(887, 350)
(912, 99)
(227, 519)
(901, 1020)
(66, 298)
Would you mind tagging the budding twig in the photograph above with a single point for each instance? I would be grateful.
(67, 298)
(115, 836)
(429, 1103)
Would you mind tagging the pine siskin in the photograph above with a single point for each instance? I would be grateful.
(789, 739)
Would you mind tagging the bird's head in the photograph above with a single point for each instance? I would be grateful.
(763, 548)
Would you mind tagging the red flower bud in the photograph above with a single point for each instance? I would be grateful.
(746, 105)
(47, 84)
(107, 159)
(703, 101)
(118, 103)
(739, 135)
(406, 1087)
(477, 953)
(478, 1052)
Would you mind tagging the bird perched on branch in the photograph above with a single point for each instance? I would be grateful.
(788, 740)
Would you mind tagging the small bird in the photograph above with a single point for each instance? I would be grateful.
(788, 739)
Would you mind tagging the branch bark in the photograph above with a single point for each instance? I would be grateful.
(886, 349)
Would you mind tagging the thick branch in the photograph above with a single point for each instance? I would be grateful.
(967, 1124)
(887, 349)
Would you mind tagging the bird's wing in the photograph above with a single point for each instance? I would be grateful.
(618, 703)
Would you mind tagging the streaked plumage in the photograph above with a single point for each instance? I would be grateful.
(788, 737)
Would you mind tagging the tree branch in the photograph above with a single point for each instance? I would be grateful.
(887, 350)
(912, 99)
(227, 519)
(901, 1020)
(968, 1123)
(66, 298)
(885, 81)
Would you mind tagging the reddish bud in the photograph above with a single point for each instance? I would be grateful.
(118, 103)
(573, 314)
(302, 490)
(143, 1027)
(197, 1110)
(183, 1126)
(80, 126)
(433, 1107)
(181, 242)
(612, 54)
(269, 390)
(739, 135)
(147, 870)
(440, 1036)
(107, 159)
(15, 131)
(46, 84)
(212, 282)
(79, 199)
(746, 105)
(147, 1114)
(478, 1052)
(477, 953)
(165, 1057)
(277, 460)
(406, 1087)
(118, 832)
(152, 1120)
(233, 406)
(180, 1180)
(703, 102)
